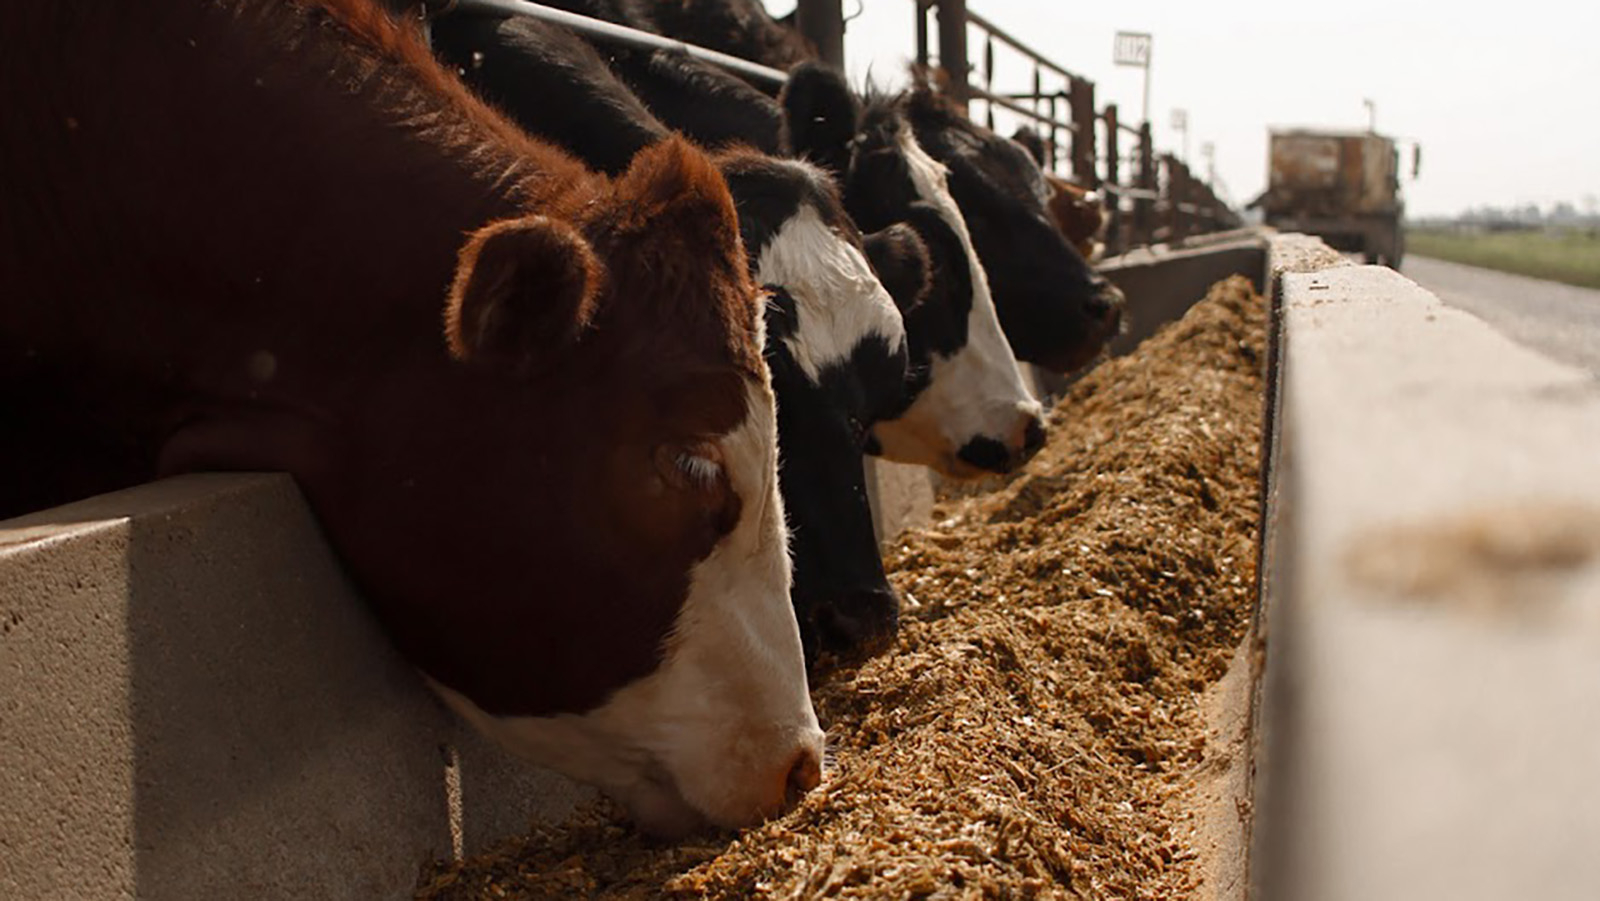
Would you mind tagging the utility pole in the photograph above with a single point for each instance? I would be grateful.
(1208, 152)
(1372, 114)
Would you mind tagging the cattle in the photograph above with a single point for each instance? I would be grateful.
(1056, 311)
(836, 343)
(231, 238)
(968, 374)
(1078, 212)
(971, 412)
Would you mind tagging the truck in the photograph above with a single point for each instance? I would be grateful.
(1342, 186)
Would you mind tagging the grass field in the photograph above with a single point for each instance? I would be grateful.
(1563, 256)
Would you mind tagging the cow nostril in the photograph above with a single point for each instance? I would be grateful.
(1106, 306)
(986, 453)
(805, 774)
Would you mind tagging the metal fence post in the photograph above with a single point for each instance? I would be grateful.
(1177, 196)
(822, 23)
(1112, 201)
(1144, 208)
(1083, 152)
(988, 79)
(922, 35)
(953, 49)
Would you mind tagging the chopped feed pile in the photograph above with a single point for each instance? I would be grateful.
(1032, 731)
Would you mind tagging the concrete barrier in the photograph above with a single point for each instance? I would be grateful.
(1429, 718)
(1161, 283)
(194, 704)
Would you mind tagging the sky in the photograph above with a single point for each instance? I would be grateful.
(1501, 98)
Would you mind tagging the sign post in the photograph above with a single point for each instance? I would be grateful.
(1132, 48)
(1180, 124)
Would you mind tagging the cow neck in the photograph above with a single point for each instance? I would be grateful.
(314, 212)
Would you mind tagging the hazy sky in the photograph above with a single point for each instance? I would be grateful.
(1502, 98)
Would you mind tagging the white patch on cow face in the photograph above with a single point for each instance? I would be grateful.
(976, 392)
(713, 733)
(838, 299)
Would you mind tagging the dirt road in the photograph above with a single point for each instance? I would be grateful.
(1560, 321)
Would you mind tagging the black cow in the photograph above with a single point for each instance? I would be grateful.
(1056, 310)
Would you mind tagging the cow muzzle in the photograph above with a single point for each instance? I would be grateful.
(986, 454)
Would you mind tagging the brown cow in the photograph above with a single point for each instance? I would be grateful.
(229, 235)
(1079, 212)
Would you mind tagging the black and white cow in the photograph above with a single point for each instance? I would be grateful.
(971, 411)
(1056, 311)
(964, 358)
(836, 343)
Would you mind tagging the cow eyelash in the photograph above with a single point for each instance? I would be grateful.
(700, 470)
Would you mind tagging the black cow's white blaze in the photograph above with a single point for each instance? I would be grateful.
(976, 392)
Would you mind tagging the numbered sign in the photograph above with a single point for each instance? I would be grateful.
(1132, 48)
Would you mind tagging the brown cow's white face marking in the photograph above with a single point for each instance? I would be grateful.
(715, 732)
(976, 392)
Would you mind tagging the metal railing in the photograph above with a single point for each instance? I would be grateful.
(1150, 197)
(621, 34)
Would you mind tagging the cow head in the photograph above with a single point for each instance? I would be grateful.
(837, 350)
(1078, 212)
(970, 411)
(1057, 311)
(618, 607)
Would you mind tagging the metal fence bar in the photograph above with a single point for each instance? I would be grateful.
(1131, 193)
(1037, 96)
(1005, 102)
(621, 34)
(1016, 45)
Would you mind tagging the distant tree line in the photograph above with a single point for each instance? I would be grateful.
(1562, 214)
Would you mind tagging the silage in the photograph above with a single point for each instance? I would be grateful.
(1027, 735)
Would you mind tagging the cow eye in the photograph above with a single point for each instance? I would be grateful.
(696, 466)
(701, 472)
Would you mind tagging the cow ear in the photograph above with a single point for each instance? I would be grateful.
(523, 288)
(900, 259)
(674, 189)
(819, 116)
(1031, 142)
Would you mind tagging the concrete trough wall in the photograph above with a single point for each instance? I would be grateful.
(1429, 719)
(1161, 283)
(194, 704)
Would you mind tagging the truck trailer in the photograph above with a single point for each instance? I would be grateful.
(1341, 186)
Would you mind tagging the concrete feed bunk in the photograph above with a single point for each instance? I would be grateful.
(1038, 729)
